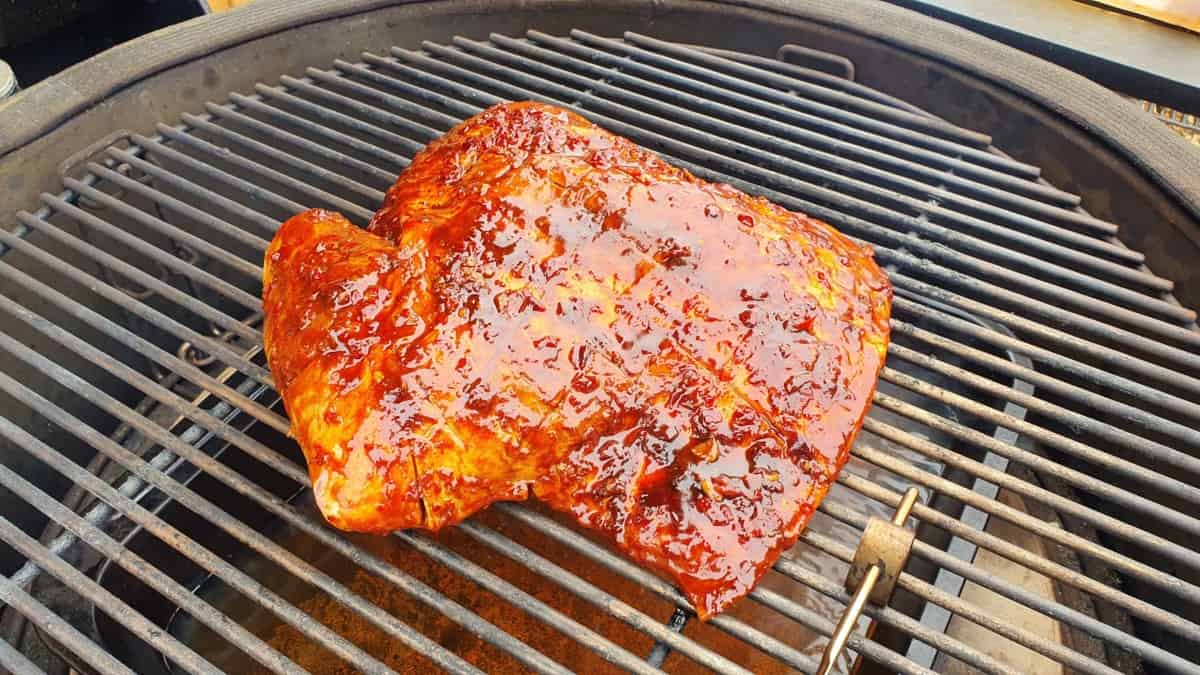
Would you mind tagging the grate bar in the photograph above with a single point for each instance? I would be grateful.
(837, 105)
(272, 551)
(221, 518)
(1034, 601)
(132, 486)
(243, 213)
(129, 339)
(1131, 567)
(141, 310)
(388, 138)
(842, 80)
(892, 617)
(57, 628)
(374, 114)
(195, 305)
(224, 154)
(530, 605)
(333, 79)
(845, 221)
(1086, 372)
(373, 195)
(232, 112)
(171, 262)
(1044, 332)
(672, 58)
(1084, 397)
(200, 245)
(254, 192)
(701, 151)
(96, 538)
(15, 662)
(941, 261)
(661, 633)
(903, 190)
(1056, 312)
(972, 613)
(91, 591)
(598, 554)
(160, 198)
(1116, 495)
(257, 104)
(799, 126)
(1054, 439)
(461, 109)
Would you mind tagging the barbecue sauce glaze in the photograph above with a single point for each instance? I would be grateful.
(543, 308)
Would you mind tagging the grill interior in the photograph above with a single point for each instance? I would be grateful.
(1040, 376)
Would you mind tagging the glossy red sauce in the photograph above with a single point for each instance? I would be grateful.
(541, 307)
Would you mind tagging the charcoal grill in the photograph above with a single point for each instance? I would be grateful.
(1042, 380)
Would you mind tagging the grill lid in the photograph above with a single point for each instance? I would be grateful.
(1080, 402)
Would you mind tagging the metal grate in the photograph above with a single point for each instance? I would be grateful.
(1034, 357)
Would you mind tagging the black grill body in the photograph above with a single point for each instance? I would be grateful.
(1040, 348)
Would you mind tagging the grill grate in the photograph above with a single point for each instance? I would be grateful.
(1033, 354)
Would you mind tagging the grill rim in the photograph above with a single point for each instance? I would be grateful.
(1160, 155)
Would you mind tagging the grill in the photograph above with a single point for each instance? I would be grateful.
(1042, 380)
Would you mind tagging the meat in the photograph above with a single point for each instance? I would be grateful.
(542, 308)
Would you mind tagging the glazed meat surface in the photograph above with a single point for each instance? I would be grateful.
(542, 308)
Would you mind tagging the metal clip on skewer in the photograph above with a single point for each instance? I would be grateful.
(881, 556)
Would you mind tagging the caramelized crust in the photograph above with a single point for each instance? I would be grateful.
(541, 307)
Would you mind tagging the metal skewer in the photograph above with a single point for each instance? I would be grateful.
(882, 542)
